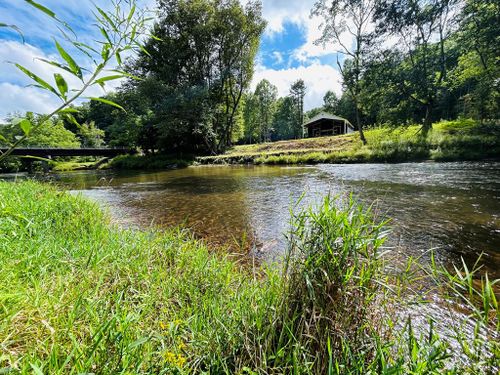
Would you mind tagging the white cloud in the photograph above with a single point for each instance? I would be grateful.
(319, 79)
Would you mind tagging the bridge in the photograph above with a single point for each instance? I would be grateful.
(48, 152)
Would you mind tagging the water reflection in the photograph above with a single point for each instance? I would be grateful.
(453, 207)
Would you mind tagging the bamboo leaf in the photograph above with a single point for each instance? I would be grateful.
(13, 27)
(105, 51)
(131, 14)
(45, 10)
(108, 102)
(108, 78)
(61, 84)
(56, 64)
(105, 34)
(37, 79)
(118, 58)
(75, 69)
(69, 110)
(25, 126)
(106, 17)
(3, 139)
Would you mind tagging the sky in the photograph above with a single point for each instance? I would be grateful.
(287, 51)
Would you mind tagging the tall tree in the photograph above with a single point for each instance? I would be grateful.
(285, 119)
(266, 94)
(331, 102)
(203, 55)
(417, 23)
(297, 93)
(349, 18)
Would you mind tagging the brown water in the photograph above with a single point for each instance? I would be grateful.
(451, 207)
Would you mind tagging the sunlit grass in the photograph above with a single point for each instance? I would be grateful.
(462, 139)
(79, 295)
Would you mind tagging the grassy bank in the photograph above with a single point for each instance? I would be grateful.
(79, 295)
(142, 162)
(448, 140)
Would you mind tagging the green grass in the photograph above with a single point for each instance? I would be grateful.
(462, 139)
(79, 295)
(149, 162)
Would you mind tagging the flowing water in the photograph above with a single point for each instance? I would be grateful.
(453, 208)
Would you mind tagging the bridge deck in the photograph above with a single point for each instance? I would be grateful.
(53, 152)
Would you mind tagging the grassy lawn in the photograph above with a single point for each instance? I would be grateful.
(79, 295)
(448, 140)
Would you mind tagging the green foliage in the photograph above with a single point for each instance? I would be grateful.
(45, 132)
(148, 162)
(192, 98)
(121, 28)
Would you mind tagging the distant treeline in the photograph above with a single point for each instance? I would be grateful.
(411, 62)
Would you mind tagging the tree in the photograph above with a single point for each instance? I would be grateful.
(266, 94)
(351, 18)
(203, 82)
(331, 102)
(297, 93)
(251, 118)
(285, 119)
(416, 23)
(47, 132)
(90, 135)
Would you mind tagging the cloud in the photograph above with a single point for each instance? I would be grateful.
(319, 78)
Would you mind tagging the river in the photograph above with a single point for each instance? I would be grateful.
(453, 208)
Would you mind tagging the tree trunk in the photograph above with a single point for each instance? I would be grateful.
(360, 127)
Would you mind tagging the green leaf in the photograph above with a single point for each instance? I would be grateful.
(13, 27)
(75, 69)
(25, 126)
(54, 63)
(69, 110)
(69, 117)
(106, 17)
(131, 14)
(108, 78)
(108, 102)
(105, 51)
(42, 8)
(118, 58)
(37, 79)
(61, 84)
(105, 34)
(125, 74)
(3, 139)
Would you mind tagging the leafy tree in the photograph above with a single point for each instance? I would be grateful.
(266, 94)
(331, 102)
(90, 135)
(351, 17)
(46, 132)
(203, 81)
(416, 23)
(297, 93)
(251, 118)
(285, 119)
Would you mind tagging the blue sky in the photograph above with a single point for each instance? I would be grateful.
(287, 50)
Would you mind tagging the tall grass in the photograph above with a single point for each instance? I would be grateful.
(78, 295)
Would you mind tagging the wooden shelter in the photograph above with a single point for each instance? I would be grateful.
(326, 124)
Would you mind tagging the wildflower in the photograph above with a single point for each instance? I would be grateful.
(163, 326)
(173, 359)
(182, 346)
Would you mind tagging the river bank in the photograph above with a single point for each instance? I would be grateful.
(79, 294)
(447, 141)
